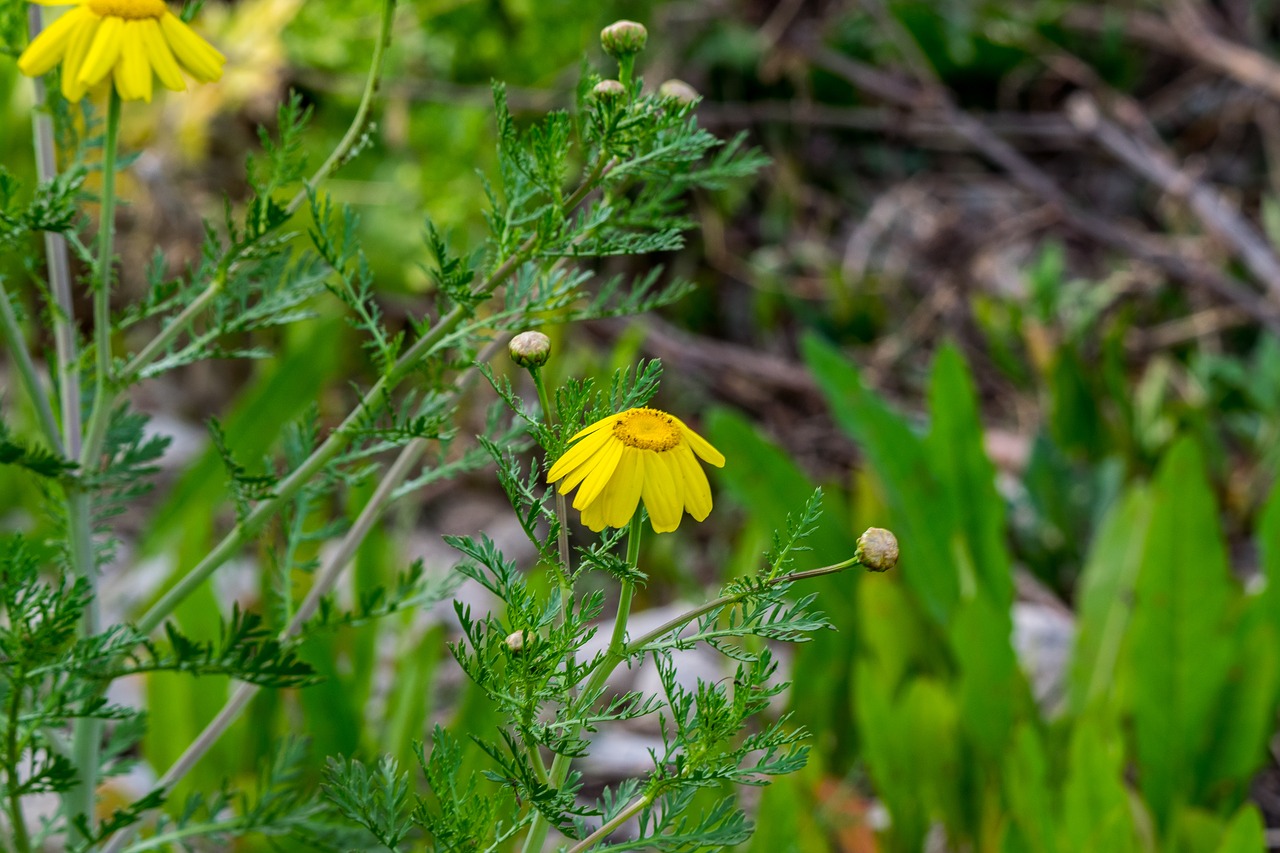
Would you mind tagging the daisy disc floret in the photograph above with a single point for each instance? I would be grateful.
(640, 454)
(131, 40)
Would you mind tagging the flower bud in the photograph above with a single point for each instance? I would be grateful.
(679, 91)
(877, 549)
(609, 90)
(515, 642)
(623, 38)
(530, 349)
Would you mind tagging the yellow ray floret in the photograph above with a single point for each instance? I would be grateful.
(131, 40)
(637, 455)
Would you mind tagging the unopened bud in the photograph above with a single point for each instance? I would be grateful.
(623, 38)
(609, 90)
(530, 349)
(515, 642)
(877, 549)
(679, 91)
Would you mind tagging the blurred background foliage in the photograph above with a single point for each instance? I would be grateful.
(966, 299)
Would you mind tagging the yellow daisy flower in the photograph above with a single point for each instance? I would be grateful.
(128, 39)
(637, 454)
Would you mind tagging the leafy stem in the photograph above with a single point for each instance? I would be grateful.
(17, 820)
(537, 836)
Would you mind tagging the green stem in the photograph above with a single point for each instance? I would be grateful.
(102, 395)
(338, 440)
(11, 333)
(86, 740)
(607, 828)
(564, 572)
(537, 836)
(357, 129)
(17, 820)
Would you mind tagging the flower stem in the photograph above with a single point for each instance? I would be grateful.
(86, 741)
(617, 645)
(564, 571)
(102, 395)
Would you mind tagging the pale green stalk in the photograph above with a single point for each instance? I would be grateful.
(86, 739)
(608, 827)
(103, 395)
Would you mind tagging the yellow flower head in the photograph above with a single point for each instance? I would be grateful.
(128, 39)
(639, 453)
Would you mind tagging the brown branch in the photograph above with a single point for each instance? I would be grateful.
(1157, 165)
(1130, 241)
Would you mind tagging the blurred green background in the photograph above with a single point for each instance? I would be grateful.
(961, 300)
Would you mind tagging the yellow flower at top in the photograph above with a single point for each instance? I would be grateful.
(639, 454)
(128, 39)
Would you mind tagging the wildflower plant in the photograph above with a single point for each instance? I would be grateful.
(608, 177)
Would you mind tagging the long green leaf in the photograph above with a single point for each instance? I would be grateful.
(922, 511)
(1182, 648)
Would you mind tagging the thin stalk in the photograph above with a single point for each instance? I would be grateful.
(11, 333)
(564, 571)
(608, 827)
(17, 820)
(357, 128)
(537, 836)
(338, 440)
(86, 739)
(103, 395)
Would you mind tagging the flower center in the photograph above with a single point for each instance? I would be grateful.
(130, 10)
(647, 429)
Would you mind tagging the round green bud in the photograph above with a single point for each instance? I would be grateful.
(877, 549)
(679, 91)
(530, 349)
(623, 38)
(609, 90)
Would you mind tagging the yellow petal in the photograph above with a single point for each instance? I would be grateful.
(622, 495)
(576, 456)
(77, 50)
(193, 53)
(103, 53)
(160, 56)
(593, 516)
(603, 422)
(50, 46)
(697, 491)
(133, 71)
(700, 445)
(602, 467)
(662, 492)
